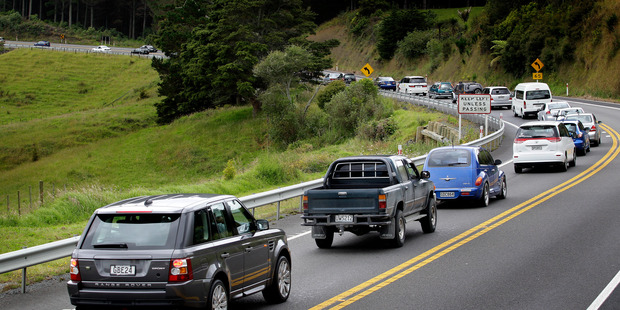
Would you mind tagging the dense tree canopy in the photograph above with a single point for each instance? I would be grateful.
(214, 47)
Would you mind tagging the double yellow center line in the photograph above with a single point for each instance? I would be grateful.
(364, 289)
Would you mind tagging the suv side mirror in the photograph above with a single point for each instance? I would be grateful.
(262, 224)
(425, 174)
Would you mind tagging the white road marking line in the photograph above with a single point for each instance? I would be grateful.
(598, 302)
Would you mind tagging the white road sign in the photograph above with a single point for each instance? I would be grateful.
(474, 104)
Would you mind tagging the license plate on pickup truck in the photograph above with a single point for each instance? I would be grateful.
(343, 218)
(122, 270)
(446, 194)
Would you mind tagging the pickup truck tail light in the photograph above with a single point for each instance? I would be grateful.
(382, 202)
(305, 202)
(74, 270)
(180, 270)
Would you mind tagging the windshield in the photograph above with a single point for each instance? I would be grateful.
(449, 158)
(445, 86)
(500, 91)
(537, 94)
(132, 231)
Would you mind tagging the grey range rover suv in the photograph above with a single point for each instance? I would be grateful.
(184, 250)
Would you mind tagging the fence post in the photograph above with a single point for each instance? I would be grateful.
(41, 191)
(19, 204)
(8, 207)
(24, 280)
(30, 195)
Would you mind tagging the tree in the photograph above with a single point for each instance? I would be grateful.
(281, 69)
(215, 47)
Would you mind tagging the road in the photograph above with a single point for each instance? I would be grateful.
(551, 244)
(81, 48)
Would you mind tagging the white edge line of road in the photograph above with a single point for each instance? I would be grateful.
(598, 302)
(299, 235)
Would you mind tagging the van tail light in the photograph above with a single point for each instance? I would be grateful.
(524, 104)
(180, 270)
(478, 181)
(74, 270)
(305, 202)
(382, 202)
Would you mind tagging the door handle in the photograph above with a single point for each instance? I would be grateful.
(225, 255)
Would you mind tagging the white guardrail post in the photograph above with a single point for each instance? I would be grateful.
(21, 259)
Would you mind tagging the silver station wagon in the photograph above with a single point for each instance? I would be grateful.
(186, 250)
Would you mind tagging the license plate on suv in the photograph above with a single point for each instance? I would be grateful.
(123, 270)
(343, 218)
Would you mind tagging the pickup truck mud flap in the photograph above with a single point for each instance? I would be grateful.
(318, 232)
(387, 231)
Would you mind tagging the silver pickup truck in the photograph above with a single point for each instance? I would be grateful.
(370, 193)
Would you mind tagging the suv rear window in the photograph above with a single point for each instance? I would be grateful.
(449, 158)
(417, 80)
(537, 94)
(538, 131)
(500, 91)
(132, 231)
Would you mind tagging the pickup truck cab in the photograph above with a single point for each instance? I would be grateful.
(370, 193)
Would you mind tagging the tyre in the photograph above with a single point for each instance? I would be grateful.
(484, 199)
(218, 296)
(399, 230)
(478, 91)
(573, 162)
(280, 287)
(564, 166)
(429, 223)
(327, 242)
(522, 114)
(518, 169)
(514, 112)
(503, 191)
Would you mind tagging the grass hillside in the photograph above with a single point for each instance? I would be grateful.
(596, 58)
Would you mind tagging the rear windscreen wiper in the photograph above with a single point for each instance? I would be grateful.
(111, 245)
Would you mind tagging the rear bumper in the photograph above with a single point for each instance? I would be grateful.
(358, 220)
(459, 193)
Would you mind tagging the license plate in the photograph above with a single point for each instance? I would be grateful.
(122, 270)
(446, 194)
(348, 218)
(536, 147)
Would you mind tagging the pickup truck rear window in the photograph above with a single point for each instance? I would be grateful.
(360, 170)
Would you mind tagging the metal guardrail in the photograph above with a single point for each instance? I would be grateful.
(21, 259)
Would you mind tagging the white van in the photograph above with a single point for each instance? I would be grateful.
(413, 85)
(529, 98)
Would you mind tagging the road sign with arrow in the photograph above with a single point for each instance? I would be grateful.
(367, 70)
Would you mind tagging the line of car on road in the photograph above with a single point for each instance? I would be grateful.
(560, 133)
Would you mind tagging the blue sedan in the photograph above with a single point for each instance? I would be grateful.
(580, 136)
(466, 173)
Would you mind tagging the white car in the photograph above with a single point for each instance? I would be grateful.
(101, 49)
(548, 111)
(413, 85)
(561, 113)
(543, 143)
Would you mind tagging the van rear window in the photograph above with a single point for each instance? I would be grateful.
(537, 94)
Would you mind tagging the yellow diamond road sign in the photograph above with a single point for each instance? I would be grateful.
(367, 70)
(537, 65)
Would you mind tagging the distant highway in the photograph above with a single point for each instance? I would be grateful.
(80, 48)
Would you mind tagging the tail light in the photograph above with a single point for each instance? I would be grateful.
(519, 140)
(593, 128)
(74, 270)
(548, 111)
(478, 181)
(524, 104)
(554, 139)
(180, 270)
(305, 202)
(382, 202)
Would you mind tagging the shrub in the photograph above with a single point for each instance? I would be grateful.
(230, 171)
(326, 94)
(414, 44)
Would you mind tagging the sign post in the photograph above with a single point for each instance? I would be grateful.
(367, 70)
(537, 65)
(474, 104)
